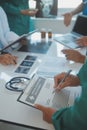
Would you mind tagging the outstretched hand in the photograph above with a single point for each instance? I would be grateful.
(82, 41)
(8, 59)
(67, 18)
(74, 55)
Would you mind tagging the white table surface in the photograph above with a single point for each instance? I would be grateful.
(17, 113)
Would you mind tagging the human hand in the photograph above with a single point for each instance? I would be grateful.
(29, 12)
(74, 55)
(47, 112)
(82, 41)
(7, 59)
(70, 80)
(67, 18)
(23, 41)
(32, 12)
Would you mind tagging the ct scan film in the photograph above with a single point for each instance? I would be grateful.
(46, 8)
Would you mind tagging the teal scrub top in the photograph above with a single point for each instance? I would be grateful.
(74, 117)
(18, 23)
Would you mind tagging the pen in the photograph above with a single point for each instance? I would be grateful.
(66, 75)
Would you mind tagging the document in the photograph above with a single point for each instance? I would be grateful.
(51, 66)
(40, 91)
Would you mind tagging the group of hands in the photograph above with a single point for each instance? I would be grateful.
(8, 59)
(71, 80)
(70, 54)
(75, 55)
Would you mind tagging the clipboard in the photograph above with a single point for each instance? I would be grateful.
(18, 40)
(40, 91)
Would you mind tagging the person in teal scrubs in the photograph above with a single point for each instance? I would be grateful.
(18, 15)
(75, 116)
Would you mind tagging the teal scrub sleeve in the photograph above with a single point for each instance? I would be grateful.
(82, 75)
(74, 117)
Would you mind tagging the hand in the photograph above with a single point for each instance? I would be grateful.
(23, 41)
(74, 55)
(29, 12)
(32, 12)
(47, 112)
(82, 41)
(67, 18)
(7, 59)
(71, 80)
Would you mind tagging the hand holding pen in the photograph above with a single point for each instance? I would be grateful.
(60, 79)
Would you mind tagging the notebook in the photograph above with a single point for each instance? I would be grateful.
(79, 29)
(40, 91)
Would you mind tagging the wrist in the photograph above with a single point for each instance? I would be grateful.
(82, 59)
(76, 80)
(22, 12)
(72, 13)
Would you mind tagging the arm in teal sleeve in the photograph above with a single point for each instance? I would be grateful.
(74, 117)
(11, 9)
(82, 75)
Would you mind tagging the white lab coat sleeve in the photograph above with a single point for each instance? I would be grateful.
(6, 36)
(10, 37)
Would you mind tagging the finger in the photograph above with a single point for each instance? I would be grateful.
(40, 107)
(79, 41)
(67, 51)
(7, 60)
(63, 85)
(4, 63)
(69, 57)
(14, 60)
(44, 117)
(11, 60)
(57, 79)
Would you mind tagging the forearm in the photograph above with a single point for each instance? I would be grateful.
(82, 59)
(77, 10)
